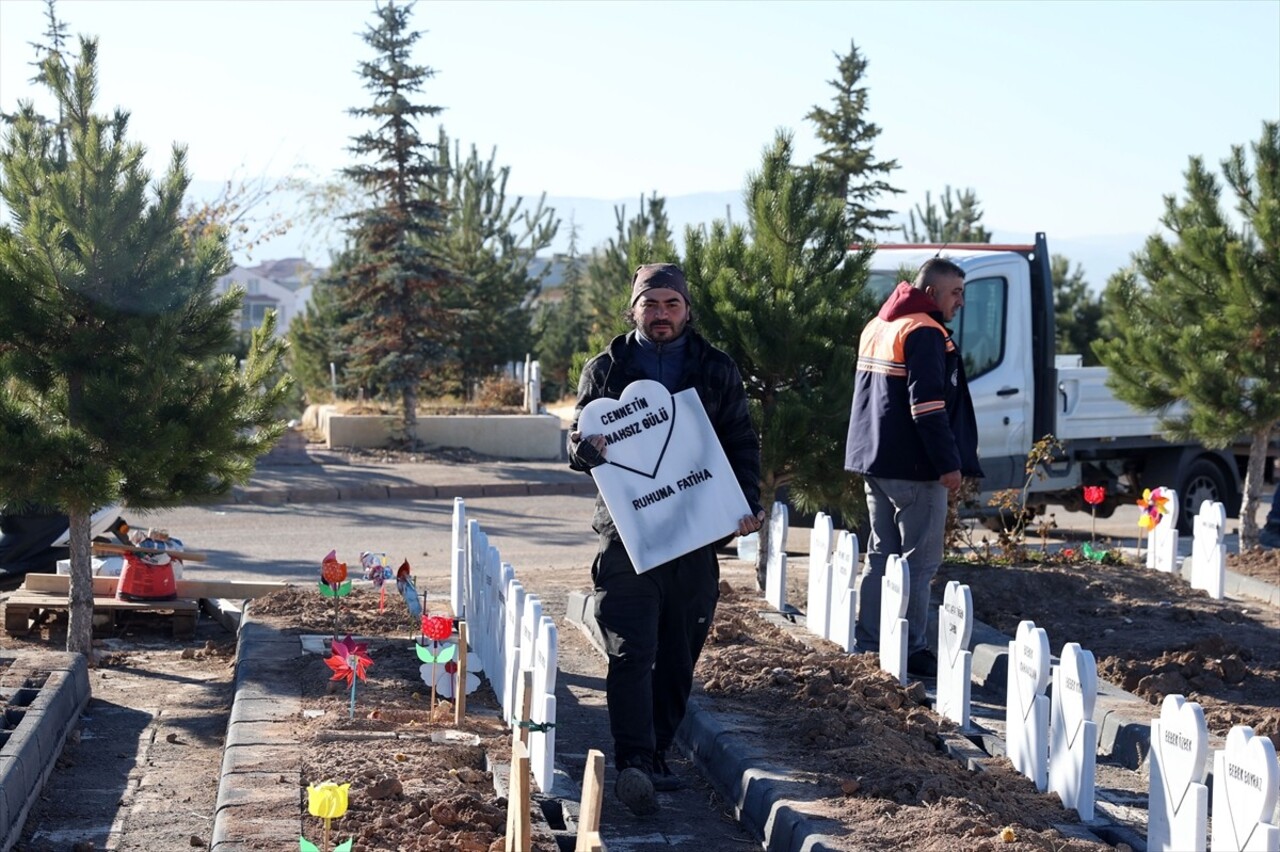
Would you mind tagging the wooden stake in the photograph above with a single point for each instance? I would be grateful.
(592, 803)
(460, 684)
(519, 828)
(526, 707)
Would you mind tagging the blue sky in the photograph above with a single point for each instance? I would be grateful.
(1073, 118)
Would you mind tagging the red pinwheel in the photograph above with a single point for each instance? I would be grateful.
(350, 660)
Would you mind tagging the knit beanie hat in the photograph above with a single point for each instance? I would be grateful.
(658, 276)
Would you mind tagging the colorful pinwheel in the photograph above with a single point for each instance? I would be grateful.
(408, 591)
(328, 801)
(1154, 505)
(349, 661)
(377, 570)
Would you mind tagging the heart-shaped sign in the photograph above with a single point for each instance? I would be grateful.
(895, 593)
(1249, 781)
(1184, 742)
(636, 426)
(1078, 678)
(1030, 664)
(956, 620)
(844, 565)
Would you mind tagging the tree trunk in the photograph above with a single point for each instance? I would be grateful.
(762, 549)
(1252, 487)
(80, 596)
(410, 414)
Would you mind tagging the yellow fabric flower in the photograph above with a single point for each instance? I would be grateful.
(328, 800)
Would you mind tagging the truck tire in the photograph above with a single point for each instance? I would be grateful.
(1203, 481)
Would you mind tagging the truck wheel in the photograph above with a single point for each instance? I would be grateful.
(1203, 482)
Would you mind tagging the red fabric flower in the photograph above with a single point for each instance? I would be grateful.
(1094, 494)
(332, 571)
(437, 627)
(350, 660)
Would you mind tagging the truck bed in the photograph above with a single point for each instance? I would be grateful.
(1088, 410)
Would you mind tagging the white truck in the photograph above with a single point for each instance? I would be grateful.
(1022, 391)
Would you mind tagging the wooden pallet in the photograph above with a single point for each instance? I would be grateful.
(25, 609)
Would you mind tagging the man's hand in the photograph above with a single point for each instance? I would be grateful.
(951, 480)
(751, 523)
(589, 450)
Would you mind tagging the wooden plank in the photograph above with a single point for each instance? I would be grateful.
(592, 803)
(23, 607)
(519, 824)
(460, 684)
(119, 549)
(46, 600)
(195, 589)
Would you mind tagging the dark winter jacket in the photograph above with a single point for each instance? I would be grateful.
(912, 417)
(719, 385)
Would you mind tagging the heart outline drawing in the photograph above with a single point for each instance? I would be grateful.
(1030, 684)
(1259, 755)
(1078, 662)
(1185, 719)
(591, 419)
(956, 615)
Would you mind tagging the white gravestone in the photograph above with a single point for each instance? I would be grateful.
(1073, 735)
(477, 553)
(498, 641)
(458, 547)
(894, 597)
(666, 480)
(510, 670)
(818, 611)
(1177, 799)
(490, 615)
(775, 578)
(1208, 553)
(844, 598)
(542, 738)
(955, 660)
(1162, 552)
(1245, 777)
(535, 388)
(1026, 707)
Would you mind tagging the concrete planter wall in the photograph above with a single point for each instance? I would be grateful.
(507, 436)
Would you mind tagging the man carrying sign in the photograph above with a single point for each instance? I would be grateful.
(655, 623)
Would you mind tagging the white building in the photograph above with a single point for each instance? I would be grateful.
(280, 285)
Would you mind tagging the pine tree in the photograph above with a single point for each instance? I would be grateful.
(114, 382)
(958, 221)
(561, 327)
(488, 243)
(1198, 321)
(848, 162)
(1077, 313)
(401, 328)
(785, 300)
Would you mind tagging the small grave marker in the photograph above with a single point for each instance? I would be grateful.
(775, 583)
(894, 597)
(1177, 800)
(818, 610)
(844, 598)
(1073, 742)
(1026, 707)
(542, 737)
(1208, 553)
(510, 670)
(1245, 777)
(1162, 554)
(955, 660)
(458, 547)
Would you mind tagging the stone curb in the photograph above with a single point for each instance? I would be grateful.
(401, 491)
(33, 745)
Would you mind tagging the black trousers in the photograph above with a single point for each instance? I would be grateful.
(654, 625)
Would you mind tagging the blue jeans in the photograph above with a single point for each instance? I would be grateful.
(1273, 516)
(907, 518)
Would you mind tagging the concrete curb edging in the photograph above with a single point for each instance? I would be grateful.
(33, 745)
(401, 491)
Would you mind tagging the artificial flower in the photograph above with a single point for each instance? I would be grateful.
(327, 800)
(332, 571)
(437, 627)
(350, 660)
(1094, 494)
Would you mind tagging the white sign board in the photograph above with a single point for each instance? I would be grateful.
(1026, 707)
(1208, 553)
(844, 598)
(666, 480)
(1177, 799)
(1073, 742)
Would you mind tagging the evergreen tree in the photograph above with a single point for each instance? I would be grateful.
(785, 300)
(561, 327)
(489, 242)
(401, 327)
(848, 163)
(114, 384)
(644, 238)
(958, 221)
(315, 338)
(1198, 321)
(1077, 313)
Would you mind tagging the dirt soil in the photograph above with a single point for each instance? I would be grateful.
(869, 745)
